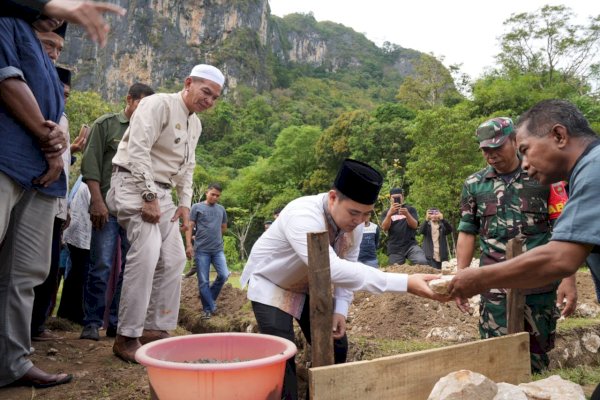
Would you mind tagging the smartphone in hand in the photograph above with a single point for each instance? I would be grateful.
(84, 131)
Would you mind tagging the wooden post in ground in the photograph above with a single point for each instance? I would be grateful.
(515, 299)
(321, 299)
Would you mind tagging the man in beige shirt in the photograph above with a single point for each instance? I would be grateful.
(156, 154)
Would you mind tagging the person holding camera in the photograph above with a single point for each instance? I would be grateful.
(434, 231)
(400, 221)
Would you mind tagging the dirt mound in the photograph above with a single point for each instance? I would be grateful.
(407, 317)
(373, 318)
(234, 312)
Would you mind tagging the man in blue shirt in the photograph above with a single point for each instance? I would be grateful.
(32, 178)
(557, 144)
(209, 219)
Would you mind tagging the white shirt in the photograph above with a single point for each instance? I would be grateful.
(66, 157)
(79, 231)
(277, 274)
(160, 145)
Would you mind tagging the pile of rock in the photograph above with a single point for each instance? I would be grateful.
(469, 385)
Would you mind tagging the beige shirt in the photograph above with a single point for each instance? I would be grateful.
(435, 237)
(159, 145)
(62, 211)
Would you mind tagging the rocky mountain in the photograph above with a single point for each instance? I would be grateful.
(158, 42)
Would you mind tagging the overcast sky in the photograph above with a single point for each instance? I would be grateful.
(463, 31)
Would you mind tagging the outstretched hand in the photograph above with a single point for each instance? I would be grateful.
(465, 283)
(418, 285)
(85, 13)
(566, 296)
(80, 141)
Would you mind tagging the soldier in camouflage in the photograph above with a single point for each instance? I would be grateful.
(499, 203)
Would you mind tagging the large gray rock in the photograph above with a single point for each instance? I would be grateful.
(591, 342)
(506, 391)
(464, 385)
(553, 388)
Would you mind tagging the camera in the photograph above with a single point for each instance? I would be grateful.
(397, 200)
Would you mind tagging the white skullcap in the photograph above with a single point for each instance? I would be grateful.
(208, 72)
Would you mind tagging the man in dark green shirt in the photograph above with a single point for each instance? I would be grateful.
(96, 168)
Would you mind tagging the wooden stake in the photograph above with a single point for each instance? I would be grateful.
(321, 299)
(515, 299)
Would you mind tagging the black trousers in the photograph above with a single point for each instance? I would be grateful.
(44, 293)
(273, 321)
(596, 394)
(71, 301)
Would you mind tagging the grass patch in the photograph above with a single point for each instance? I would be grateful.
(570, 324)
(582, 375)
(375, 348)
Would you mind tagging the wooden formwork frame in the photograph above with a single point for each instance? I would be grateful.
(406, 376)
(412, 376)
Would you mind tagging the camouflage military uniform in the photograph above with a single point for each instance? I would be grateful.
(498, 210)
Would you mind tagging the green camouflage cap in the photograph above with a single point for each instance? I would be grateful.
(494, 132)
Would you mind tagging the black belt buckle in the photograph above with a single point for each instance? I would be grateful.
(165, 186)
(118, 168)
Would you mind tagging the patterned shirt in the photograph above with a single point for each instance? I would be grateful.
(499, 209)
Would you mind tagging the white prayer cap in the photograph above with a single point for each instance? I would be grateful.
(208, 72)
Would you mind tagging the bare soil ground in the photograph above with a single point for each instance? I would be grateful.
(98, 374)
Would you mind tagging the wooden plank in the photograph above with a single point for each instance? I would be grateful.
(515, 299)
(321, 299)
(412, 376)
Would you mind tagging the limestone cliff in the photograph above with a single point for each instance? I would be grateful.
(158, 42)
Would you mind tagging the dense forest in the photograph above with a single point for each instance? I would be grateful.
(269, 146)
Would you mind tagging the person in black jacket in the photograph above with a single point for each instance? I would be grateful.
(434, 231)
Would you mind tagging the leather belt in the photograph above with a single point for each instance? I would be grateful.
(165, 186)
(118, 168)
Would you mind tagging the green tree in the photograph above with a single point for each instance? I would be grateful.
(445, 152)
(513, 94)
(547, 41)
(294, 156)
(85, 108)
(240, 222)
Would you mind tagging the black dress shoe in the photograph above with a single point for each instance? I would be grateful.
(90, 332)
(111, 331)
(39, 379)
(46, 335)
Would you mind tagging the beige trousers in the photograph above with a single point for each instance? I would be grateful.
(155, 261)
(26, 222)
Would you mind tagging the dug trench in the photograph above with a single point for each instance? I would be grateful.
(378, 326)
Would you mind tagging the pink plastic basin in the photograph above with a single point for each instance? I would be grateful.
(260, 377)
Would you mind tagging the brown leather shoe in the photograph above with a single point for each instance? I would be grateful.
(150, 335)
(39, 379)
(125, 348)
(46, 335)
